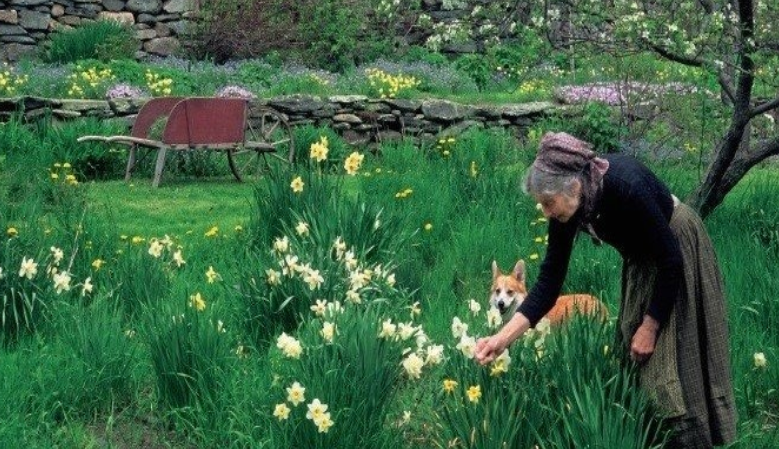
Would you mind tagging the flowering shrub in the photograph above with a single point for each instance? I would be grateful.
(619, 93)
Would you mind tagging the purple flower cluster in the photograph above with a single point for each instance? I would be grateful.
(234, 91)
(618, 93)
(126, 91)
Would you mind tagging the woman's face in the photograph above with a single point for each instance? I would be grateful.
(561, 206)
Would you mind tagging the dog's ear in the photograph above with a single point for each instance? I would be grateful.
(495, 270)
(519, 270)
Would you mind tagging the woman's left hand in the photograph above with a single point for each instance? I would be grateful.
(643, 345)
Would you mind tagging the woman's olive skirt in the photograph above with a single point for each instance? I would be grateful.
(689, 373)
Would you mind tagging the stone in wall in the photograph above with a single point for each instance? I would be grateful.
(84, 11)
(121, 17)
(12, 30)
(29, 2)
(144, 6)
(179, 6)
(11, 51)
(34, 20)
(163, 46)
(113, 5)
(9, 16)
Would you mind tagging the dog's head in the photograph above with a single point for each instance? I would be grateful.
(508, 290)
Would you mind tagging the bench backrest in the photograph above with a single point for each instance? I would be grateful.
(204, 121)
(150, 112)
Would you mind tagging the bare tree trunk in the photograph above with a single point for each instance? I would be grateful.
(721, 180)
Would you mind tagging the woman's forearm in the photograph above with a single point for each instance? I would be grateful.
(515, 328)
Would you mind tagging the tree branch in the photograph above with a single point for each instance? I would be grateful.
(675, 57)
(764, 107)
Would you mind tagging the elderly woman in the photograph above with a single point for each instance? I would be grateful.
(672, 319)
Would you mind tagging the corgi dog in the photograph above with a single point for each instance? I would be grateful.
(508, 291)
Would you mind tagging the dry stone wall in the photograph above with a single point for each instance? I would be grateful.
(359, 119)
(157, 23)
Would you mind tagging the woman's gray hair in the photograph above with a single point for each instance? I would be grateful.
(538, 182)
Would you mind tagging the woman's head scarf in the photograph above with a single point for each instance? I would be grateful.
(562, 154)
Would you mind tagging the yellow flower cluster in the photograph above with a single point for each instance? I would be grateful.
(319, 149)
(158, 86)
(86, 81)
(445, 145)
(389, 86)
(533, 86)
(62, 173)
(317, 411)
(318, 79)
(353, 162)
(9, 82)
(404, 193)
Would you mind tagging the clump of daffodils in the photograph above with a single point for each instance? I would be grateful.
(390, 86)
(10, 83)
(445, 146)
(158, 85)
(62, 173)
(316, 410)
(89, 82)
(290, 346)
(61, 278)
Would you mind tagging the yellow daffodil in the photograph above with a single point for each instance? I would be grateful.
(211, 275)
(353, 162)
(449, 385)
(316, 409)
(11, 232)
(760, 360)
(213, 232)
(318, 150)
(296, 394)
(97, 264)
(281, 411)
(474, 393)
(197, 302)
(297, 185)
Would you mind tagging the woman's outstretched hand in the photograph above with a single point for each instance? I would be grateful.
(643, 344)
(489, 348)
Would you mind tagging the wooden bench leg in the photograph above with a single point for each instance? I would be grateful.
(158, 168)
(130, 163)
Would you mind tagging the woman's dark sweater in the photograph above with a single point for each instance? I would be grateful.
(632, 215)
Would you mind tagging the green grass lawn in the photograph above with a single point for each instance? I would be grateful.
(174, 208)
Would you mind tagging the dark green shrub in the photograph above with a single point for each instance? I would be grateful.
(595, 124)
(478, 67)
(103, 40)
